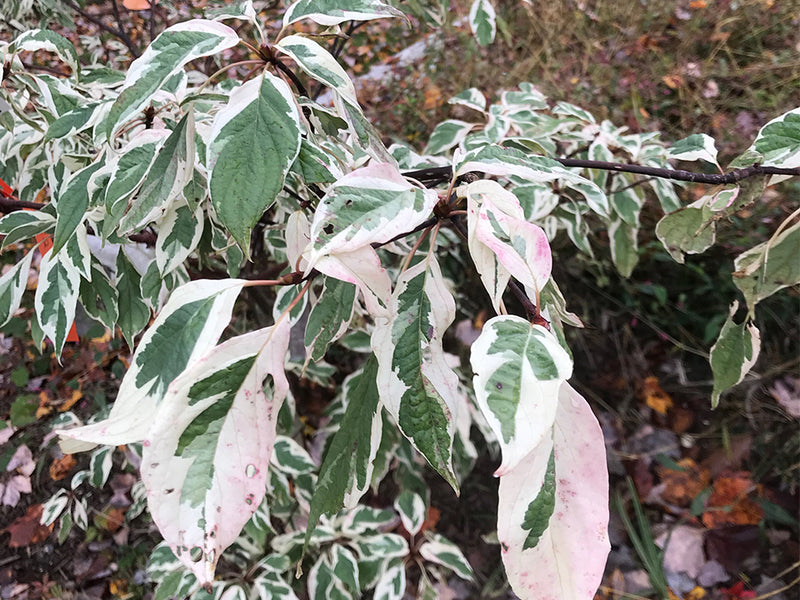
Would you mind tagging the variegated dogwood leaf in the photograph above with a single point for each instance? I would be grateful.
(333, 12)
(166, 55)
(506, 162)
(24, 224)
(254, 141)
(733, 354)
(330, 317)
(178, 236)
(698, 146)
(369, 205)
(447, 134)
(127, 170)
(56, 297)
(552, 516)
(417, 386)
(518, 369)
(186, 328)
(438, 549)
(205, 459)
(482, 21)
(319, 64)
(362, 268)
(495, 220)
(346, 470)
(133, 312)
(12, 287)
(49, 41)
(166, 177)
(779, 141)
(72, 204)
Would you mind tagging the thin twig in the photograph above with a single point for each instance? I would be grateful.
(442, 174)
(107, 28)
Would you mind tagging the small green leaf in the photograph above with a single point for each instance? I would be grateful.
(133, 312)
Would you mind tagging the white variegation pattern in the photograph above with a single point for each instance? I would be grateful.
(206, 458)
(518, 369)
(334, 12)
(185, 329)
(570, 556)
(56, 297)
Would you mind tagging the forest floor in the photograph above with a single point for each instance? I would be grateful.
(714, 508)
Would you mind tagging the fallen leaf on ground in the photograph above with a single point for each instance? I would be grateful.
(60, 467)
(27, 529)
(729, 503)
(656, 398)
(681, 487)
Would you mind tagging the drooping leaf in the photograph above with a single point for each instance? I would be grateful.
(254, 141)
(689, 230)
(733, 354)
(166, 55)
(518, 369)
(569, 558)
(330, 317)
(495, 221)
(178, 236)
(392, 583)
(56, 297)
(169, 172)
(185, 329)
(333, 12)
(412, 510)
(346, 470)
(99, 298)
(416, 384)
(768, 267)
(73, 203)
(206, 457)
(133, 312)
(12, 287)
(482, 21)
(624, 246)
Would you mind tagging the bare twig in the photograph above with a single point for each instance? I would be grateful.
(441, 174)
(118, 33)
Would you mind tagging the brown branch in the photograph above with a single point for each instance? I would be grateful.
(9, 204)
(118, 33)
(435, 175)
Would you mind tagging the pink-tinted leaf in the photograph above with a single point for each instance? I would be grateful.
(569, 558)
(205, 460)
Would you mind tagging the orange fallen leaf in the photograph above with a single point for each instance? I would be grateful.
(433, 98)
(695, 594)
(681, 487)
(137, 4)
(44, 405)
(697, 4)
(729, 502)
(27, 530)
(74, 397)
(654, 396)
(60, 467)
(673, 82)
